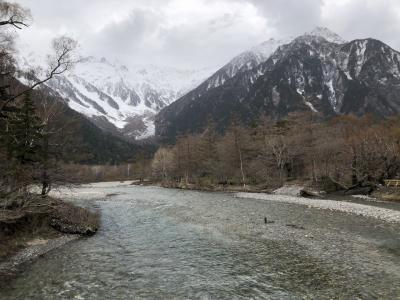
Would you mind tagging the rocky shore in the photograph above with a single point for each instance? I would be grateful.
(383, 214)
(35, 249)
(39, 225)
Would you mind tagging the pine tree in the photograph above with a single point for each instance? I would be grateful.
(26, 133)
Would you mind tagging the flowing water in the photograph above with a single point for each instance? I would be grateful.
(159, 243)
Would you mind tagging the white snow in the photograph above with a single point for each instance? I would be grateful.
(327, 34)
(309, 104)
(348, 75)
(276, 97)
(300, 84)
(150, 129)
(332, 94)
(361, 48)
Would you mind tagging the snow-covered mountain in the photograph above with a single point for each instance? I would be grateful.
(125, 96)
(260, 53)
(118, 97)
(317, 72)
(124, 99)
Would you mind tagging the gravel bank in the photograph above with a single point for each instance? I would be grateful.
(348, 207)
(36, 249)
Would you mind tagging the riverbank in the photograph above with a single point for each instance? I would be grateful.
(205, 188)
(301, 189)
(298, 194)
(37, 226)
(383, 214)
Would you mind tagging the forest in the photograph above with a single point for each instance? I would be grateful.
(334, 154)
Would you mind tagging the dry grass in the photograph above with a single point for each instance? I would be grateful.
(77, 216)
(392, 197)
(388, 194)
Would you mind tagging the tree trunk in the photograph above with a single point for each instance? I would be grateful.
(354, 179)
(241, 169)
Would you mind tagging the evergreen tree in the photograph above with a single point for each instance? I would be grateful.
(25, 133)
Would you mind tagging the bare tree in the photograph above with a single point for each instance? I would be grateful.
(64, 54)
(14, 15)
(50, 174)
(163, 164)
(64, 57)
(232, 149)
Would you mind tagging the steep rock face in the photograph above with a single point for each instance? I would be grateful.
(316, 72)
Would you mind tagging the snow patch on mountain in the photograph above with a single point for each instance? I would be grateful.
(327, 34)
(245, 62)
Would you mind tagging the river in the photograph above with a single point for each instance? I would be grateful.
(159, 243)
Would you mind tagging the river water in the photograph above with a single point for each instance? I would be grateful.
(159, 243)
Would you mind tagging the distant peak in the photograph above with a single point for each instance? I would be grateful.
(327, 34)
(270, 45)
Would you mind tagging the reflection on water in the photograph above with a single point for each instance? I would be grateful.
(163, 244)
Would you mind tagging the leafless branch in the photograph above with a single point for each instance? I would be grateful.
(62, 60)
(14, 15)
(13, 22)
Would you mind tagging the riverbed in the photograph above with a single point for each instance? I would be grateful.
(157, 243)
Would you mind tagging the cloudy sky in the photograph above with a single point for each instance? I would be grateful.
(200, 33)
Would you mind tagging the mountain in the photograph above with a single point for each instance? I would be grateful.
(317, 72)
(123, 99)
(259, 54)
(78, 140)
(120, 98)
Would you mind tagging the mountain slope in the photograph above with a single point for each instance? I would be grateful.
(119, 98)
(243, 62)
(78, 140)
(312, 73)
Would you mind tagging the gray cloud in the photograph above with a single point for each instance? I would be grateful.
(291, 17)
(196, 33)
(366, 18)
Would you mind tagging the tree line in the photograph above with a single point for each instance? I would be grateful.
(338, 153)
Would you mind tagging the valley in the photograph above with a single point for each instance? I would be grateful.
(206, 149)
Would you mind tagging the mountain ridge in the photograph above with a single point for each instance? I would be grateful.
(311, 73)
